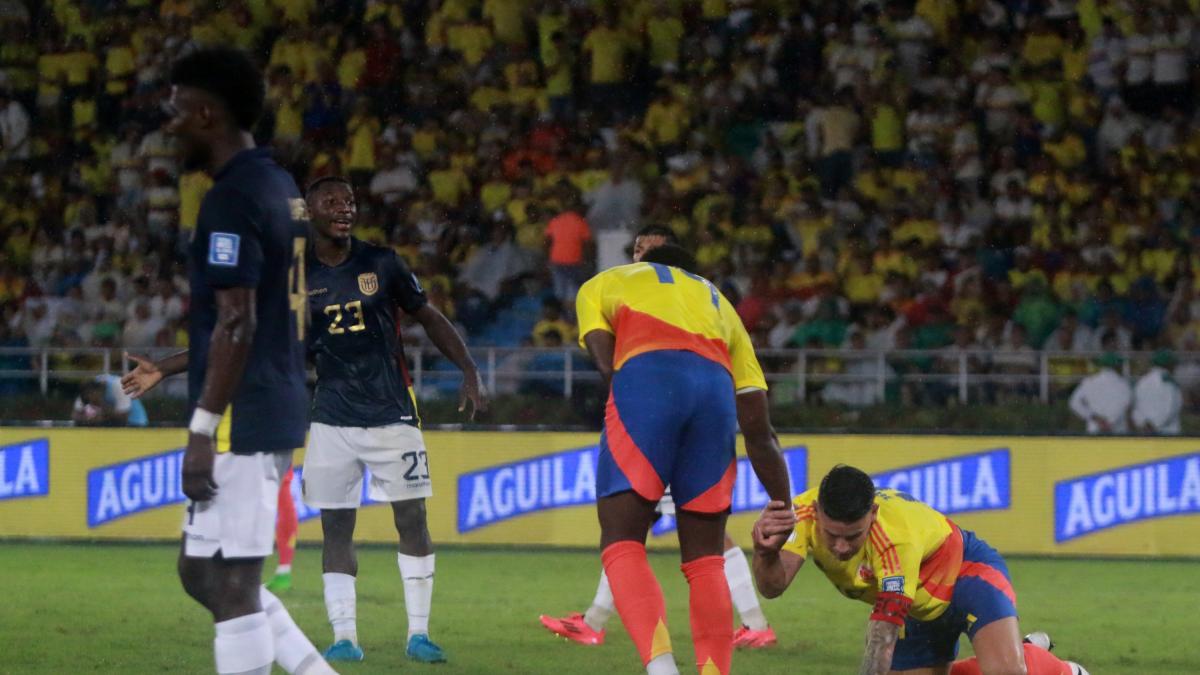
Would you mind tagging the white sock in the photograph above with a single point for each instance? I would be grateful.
(293, 651)
(244, 645)
(283, 569)
(597, 616)
(340, 606)
(663, 664)
(417, 574)
(741, 589)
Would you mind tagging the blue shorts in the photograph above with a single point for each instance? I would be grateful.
(983, 591)
(671, 420)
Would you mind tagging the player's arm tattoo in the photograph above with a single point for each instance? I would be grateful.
(230, 347)
(881, 642)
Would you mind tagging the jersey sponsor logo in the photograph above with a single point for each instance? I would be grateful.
(892, 584)
(368, 283)
(979, 482)
(1127, 494)
(298, 208)
(25, 469)
(120, 490)
(318, 291)
(498, 493)
(748, 492)
(223, 249)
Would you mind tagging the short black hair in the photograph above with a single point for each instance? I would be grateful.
(659, 231)
(846, 494)
(228, 74)
(326, 180)
(673, 255)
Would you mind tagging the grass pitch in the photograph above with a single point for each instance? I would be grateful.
(70, 608)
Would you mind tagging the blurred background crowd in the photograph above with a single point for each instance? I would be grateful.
(1003, 175)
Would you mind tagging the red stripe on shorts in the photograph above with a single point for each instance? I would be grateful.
(991, 575)
(716, 498)
(629, 457)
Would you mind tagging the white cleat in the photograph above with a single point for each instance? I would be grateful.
(1077, 669)
(1040, 639)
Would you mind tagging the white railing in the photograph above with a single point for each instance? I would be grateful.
(851, 376)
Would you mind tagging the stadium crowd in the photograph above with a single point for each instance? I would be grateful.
(1007, 175)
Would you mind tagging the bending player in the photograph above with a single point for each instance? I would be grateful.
(923, 575)
(246, 377)
(364, 413)
(683, 376)
(588, 628)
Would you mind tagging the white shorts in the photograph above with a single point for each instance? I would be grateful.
(337, 457)
(240, 520)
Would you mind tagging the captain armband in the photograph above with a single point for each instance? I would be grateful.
(891, 607)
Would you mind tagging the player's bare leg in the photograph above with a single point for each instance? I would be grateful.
(339, 567)
(998, 648)
(755, 632)
(701, 550)
(416, 561)
(228, 589)
(625, 518)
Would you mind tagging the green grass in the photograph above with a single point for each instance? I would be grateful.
(107, 608)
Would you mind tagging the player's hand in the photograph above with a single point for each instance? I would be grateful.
(141, 379)
(198, 483)
(474, 393)
(773, 527)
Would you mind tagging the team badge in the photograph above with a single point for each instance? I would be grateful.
(298, 208)
(368, 283)
(893, 585)
(223, 249)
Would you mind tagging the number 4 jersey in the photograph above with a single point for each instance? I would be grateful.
(362, 380)
(251, 233)
(652, 307)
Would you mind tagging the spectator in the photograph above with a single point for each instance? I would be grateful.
(569, 248)
(1157, 398)
(102, 402)
(1102, 399)
(617, 203)
(551, 321)
(15, 143)
(495, 263)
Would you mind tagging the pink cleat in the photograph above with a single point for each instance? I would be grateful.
(573, 627)
(744, 638)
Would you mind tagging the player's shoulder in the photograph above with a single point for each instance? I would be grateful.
(805, 502)
(374, 254)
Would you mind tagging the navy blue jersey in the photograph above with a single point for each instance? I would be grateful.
(252, 233)
(361, 377)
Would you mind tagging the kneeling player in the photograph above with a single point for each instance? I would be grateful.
(364, 414)
(928, 580)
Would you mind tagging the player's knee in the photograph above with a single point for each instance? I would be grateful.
(410, 519)
(338, 524)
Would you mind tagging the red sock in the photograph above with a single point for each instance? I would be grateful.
(285, 522)
(711, 609)
(638, 597)
(1038, 661)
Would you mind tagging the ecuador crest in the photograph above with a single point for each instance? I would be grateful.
(368, 283)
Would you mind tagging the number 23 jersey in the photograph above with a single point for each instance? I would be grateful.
(362, 380)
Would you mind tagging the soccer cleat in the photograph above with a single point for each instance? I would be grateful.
(282, 581)
(1077, 669)
(421, 648)
(343, 650)
(744, 638)
(1040, 639)
(573, 627)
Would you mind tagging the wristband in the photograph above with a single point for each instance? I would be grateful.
(204, 423)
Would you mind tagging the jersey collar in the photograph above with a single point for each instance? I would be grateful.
(242, 157)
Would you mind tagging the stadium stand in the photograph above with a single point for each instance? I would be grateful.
(925, 174)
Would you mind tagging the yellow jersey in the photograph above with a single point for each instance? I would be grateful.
(911, 549)
(652, 307)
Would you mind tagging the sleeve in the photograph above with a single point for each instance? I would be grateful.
(120, 400)
(1078, 402)
(229, 229)
(403, 286)
(747, 373)
(898, 567)
(589, 308)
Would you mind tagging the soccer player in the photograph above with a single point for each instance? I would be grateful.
(364, 413)
(246, 364)
(286, 524)
(928, 580)
(588, 628)
(682, 376)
